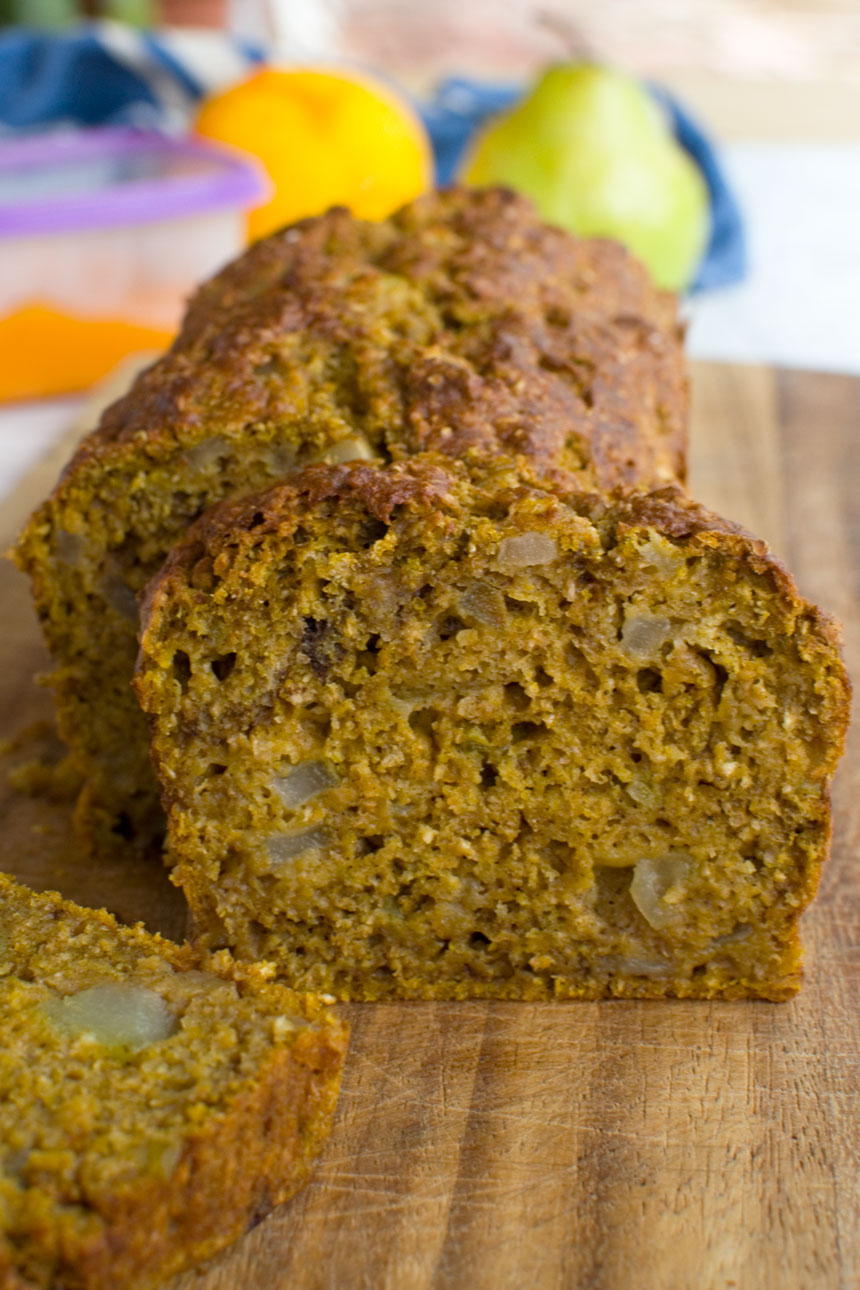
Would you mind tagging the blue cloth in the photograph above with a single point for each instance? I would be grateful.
(100, 74)
(69, 79)
(104, 73)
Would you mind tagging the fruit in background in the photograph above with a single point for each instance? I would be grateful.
(592, 150)
(62, 13)
(326, 139)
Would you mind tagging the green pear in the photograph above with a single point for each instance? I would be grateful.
(592, 150)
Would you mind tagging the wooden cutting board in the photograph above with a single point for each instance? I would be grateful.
(611, 1146)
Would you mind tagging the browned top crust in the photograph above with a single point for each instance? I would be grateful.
(474, 485)
(460, 322)
(429, 482)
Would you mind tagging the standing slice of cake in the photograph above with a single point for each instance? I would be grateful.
(437, 731)
(153, 1104)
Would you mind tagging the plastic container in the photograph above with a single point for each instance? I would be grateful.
(103, 236)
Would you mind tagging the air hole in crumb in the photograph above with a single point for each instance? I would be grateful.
(758, 648)
(636, 757)
(489, 775)
(559, 856)
(422, 720)
(371, 532)
(649, 681)
(720, 683)
(528, 730)
(321, 722)
(721, 676)
(223, 666)
(124, 827)
(374, 842)
(256, 935)
(256, 520)
(449, 626)
(517, 606)
(556, 316)
(368, 657)
(516, 696)
(215, 768)
(543, 678)
(452, 320)
(182, 668)
(479, 940)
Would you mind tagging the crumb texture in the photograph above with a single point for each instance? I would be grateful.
(439, 731)
(154, 1103)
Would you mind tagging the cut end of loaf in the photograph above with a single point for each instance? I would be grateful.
(437, 732)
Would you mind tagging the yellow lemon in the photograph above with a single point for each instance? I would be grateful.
(326, 139)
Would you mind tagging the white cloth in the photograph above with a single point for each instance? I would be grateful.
(800, 305)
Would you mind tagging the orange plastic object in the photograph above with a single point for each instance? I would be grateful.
(326, 139)
(45, 352)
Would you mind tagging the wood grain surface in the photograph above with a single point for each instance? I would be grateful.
(615, 1146)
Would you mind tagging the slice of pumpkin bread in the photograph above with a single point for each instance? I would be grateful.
(436, 731)
(460, 322)
(153, 1104)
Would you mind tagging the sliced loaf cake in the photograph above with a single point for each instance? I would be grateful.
(438, 731)
(460, 322)
(154, 1103)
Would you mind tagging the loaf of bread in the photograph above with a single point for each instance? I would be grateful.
(154, 1103)
(461, 322)
(440, 730)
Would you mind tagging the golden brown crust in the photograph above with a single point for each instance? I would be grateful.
(461, 322)
(228, 1179)
(428, 479)
(422, 483)
(677, 515)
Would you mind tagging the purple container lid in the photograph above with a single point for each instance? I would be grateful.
(66, 181)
